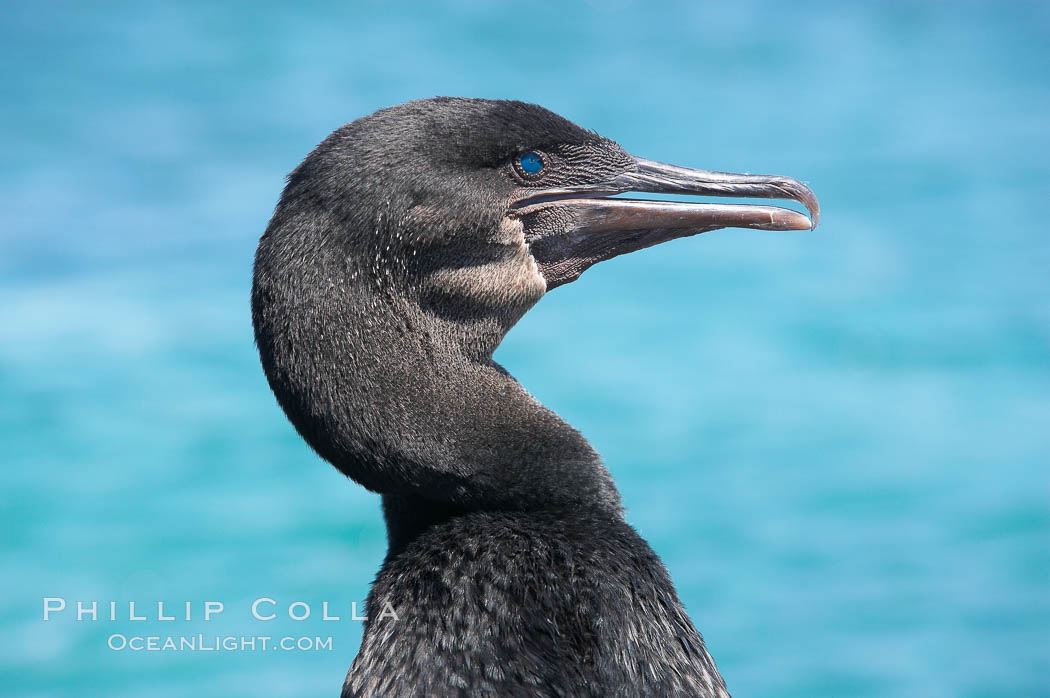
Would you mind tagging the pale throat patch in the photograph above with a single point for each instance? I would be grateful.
(513, 281)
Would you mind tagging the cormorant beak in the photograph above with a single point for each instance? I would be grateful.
(569, 229)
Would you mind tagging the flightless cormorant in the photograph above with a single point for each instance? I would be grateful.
(403, 249)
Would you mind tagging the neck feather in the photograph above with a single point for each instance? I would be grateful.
(406, 399)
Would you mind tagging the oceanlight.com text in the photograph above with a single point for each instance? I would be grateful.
(217, 643)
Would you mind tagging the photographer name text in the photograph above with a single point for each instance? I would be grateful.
(263, 608)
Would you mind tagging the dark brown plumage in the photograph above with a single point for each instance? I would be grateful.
(401, 252)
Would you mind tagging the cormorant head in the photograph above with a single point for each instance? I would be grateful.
(478, 207)
(406, 245)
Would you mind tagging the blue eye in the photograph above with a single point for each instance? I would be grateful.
(530, 163)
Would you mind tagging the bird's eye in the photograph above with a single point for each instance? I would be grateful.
(530, 163)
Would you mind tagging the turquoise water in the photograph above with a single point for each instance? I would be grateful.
(837, 440)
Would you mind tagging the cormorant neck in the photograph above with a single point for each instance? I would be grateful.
(398, 390)
(408, 515)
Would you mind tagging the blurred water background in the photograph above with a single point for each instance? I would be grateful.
(837, 440)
